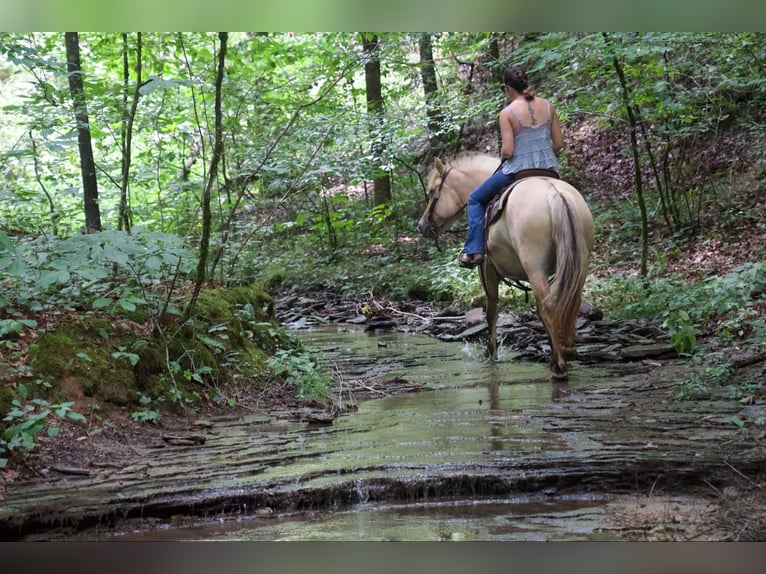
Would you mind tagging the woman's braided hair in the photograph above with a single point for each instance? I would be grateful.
(517, 79)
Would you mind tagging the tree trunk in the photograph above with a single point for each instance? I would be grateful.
(497, 76)
(494, 53)
(437, 138)
(633, 119)
(123, 221)
(207, 217)
(382, 181)
(87, 164)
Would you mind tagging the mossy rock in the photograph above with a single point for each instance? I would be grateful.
(79, 351)
(231, 336)
(245, 314)
(219, 304)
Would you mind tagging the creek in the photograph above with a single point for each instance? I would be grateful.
(460, 449)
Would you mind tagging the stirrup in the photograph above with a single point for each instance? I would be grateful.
(469, 262)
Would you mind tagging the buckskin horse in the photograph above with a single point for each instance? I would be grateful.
(543, 236)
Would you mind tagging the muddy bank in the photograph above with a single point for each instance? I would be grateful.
(428, 419)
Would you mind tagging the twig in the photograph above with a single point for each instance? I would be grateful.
(371, 389)
(742, 475)
(713, 487)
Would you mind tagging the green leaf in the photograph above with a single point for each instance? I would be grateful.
(6, 243)
(132, 357)
(212, 342)
(115, 256)
(737, 421)
(127, 305)
(62, 408)
(153, 263)
(47, 279)
(53, 431)
(102, 303)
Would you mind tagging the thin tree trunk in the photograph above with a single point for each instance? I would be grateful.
(633, 120)
(494, 54)
(207, 217)
(435, 117)
(382, 181)
(87, 163)
(38, 177)
(497, 76)
(123, 221)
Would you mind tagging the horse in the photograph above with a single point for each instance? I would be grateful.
(544, 236)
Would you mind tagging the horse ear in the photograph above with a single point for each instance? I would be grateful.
(438, 165)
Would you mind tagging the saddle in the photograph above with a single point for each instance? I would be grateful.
(497, 204)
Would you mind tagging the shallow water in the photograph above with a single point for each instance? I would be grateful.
(428, 465)
(532, 518)
(484, 451)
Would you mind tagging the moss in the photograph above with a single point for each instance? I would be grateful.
(77, 350)
(6, 396)
(246, 314)
(261, 303)
(230, 338)
(193, 354)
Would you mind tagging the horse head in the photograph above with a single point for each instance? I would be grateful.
(436, 213)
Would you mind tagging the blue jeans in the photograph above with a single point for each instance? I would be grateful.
(477, 203)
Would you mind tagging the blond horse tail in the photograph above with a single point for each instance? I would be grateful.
(572, 255)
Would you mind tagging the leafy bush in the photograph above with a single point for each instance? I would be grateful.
(27, 418)
(111, 270)
(299, 368)
(727, 303)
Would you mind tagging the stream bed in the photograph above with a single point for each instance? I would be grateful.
(461, 449)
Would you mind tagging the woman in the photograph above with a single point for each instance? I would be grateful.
(531, 139)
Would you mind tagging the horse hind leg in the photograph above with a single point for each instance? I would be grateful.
(569, 331)
(559, 351)
(546, 310)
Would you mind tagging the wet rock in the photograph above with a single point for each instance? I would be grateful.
(474, 316)
(598, 340)
(184, 440)
(377, 323)
(590, 312)
(654, 351)
(463, 335)
(73, 471)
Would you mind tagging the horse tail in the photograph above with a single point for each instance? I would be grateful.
(572, 255)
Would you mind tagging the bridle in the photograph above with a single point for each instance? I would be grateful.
(434, 197)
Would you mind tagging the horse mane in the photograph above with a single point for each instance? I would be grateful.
(474, 160)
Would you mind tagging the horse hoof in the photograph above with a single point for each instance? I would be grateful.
(559, 373)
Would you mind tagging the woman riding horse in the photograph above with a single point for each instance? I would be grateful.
(526, 144)
(543, 235)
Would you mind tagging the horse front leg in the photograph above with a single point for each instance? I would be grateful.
(490, 282)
